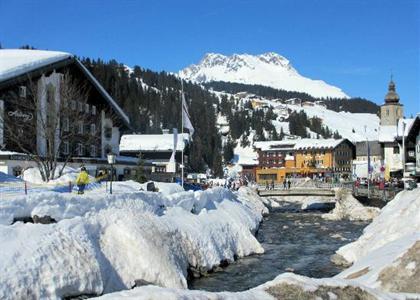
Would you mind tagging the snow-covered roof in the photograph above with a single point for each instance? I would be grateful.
(400, 127)
(299, 144)
(152, 142)
(389, 133)
(15, 62)
(275, 145)
(317, 144)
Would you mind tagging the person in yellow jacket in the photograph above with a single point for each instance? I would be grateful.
(82, 180)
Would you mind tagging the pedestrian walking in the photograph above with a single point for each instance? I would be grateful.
(284, 183)
(289, 183)
(82, 180)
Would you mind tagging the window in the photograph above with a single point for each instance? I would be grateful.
(22, 91)
(80, 127)
(93, 150)
(66, 148)
(387, 112)
(80, 149)
(66, 124)
(17, 171)
(108, 132)
(92, 129)
(73, 104)
(108, 149)
(396, 150)
(87, 108)
(80, 105)
(93, 110)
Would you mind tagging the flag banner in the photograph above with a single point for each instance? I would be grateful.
(186, 116)
(370, 168)
(171, 167)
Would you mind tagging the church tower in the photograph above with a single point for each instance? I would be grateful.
(391, 110)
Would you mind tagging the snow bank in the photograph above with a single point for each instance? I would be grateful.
(106, 243)
(284, 286)
(382, 256)
(69, 174)
(348, 207)
(165, 188)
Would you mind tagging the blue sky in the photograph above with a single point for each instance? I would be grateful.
(353, 44)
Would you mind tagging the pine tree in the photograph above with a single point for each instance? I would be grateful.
(228, 150)
(140, 173)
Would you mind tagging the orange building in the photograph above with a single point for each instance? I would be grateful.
(305, 158)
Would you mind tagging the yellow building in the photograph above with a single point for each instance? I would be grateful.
(308, 157)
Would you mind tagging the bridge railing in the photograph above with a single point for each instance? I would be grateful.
(386, 194)
(302, 184)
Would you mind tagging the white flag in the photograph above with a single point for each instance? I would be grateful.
(171, 166)
(175, 131)
(186, 116)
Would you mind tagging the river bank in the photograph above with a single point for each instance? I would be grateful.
(293, 240)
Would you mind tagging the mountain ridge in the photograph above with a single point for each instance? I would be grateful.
(267, 69)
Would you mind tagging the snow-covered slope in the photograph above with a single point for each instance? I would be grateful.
(349, 125)
(269, 69)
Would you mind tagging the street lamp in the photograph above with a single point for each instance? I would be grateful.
(111, 161)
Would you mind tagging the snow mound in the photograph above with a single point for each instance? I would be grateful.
(348, 207)
(387, 255)
(399, 218)
(69, 174)
(166, 188)
(105, 243)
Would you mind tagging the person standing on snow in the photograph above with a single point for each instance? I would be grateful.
(82, 180)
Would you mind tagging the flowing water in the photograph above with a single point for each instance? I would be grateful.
(292, 240)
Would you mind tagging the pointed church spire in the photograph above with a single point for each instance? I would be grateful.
(392, 96)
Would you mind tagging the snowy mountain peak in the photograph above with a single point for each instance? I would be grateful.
(269, 69)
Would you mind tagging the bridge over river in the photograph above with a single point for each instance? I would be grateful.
(297, 192)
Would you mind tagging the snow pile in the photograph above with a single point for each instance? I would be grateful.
(284, 286)
(106, 243)
(166, 188)
(269, 69)
(69, 174)
(348, 207)
(387, 255)
(250, 198)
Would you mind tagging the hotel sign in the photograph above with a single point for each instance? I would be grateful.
(25, 117)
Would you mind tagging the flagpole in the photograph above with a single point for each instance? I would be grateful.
(182, 136)
(368, 162)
